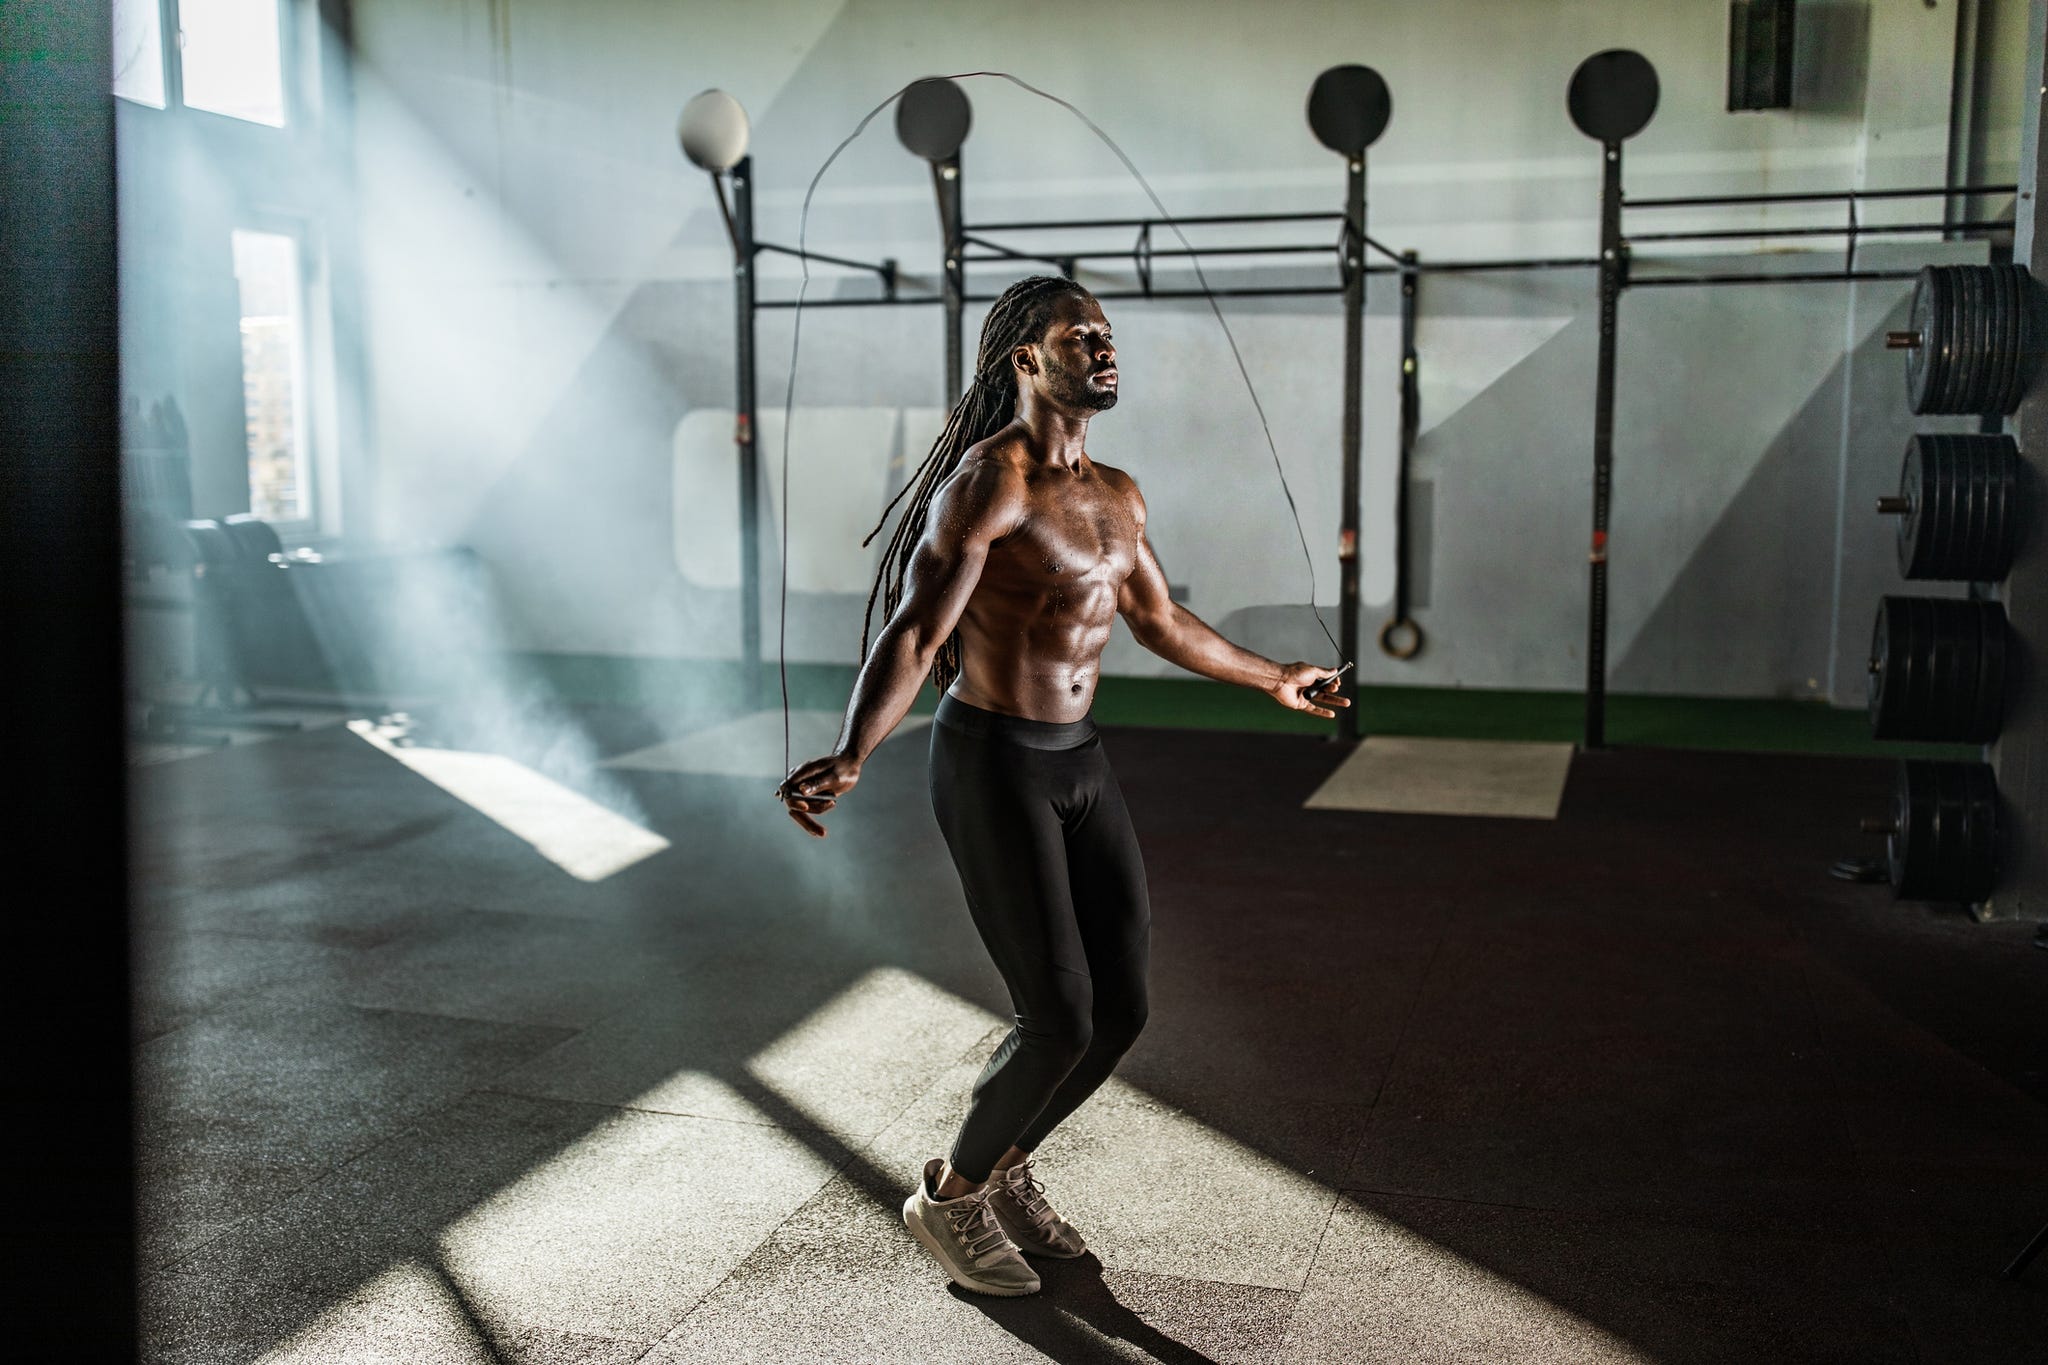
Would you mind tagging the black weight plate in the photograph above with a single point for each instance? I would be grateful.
(1975, 385)
(1981, 314)
(1940, 340)
(1920, 368)
(1999, 545)
(1922, 671)
(1951, 861)
(1951, 326)
(1990, 711)
(1985, 383)
(2029, 358)
(1990, 377)
(1937, 531)
(1963, 318)
(1979, 800)
(1955, 711)
(1911, 530)
(1943, 356)
(1969, 498)
(1971, 492)
(1877, 697)
(2005, 296)
(1915, 850)
(1954, 673)
(2005, 393)
(1901, 843)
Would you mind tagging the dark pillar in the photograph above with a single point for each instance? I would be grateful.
(1354, 364)
(70, 1193)
(2020, 755)
(745, 428)
(946, 181)
(1612, 276)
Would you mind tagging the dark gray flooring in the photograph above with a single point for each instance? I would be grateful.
(1638, 1084)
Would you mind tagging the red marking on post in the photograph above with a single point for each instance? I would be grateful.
(741, 431)
(1599, 555)
(1347, 545)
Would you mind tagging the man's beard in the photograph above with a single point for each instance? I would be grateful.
(1072, 389)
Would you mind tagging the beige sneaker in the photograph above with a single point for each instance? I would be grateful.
(966, 1239)
(1018, 1201)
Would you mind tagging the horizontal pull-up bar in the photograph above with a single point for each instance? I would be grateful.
(1830, 230)
(1213, 218)
(1789, 277)
(1288, 249)
(1248, 292)
(1816, 196)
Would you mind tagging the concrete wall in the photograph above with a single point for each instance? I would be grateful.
(549, 314)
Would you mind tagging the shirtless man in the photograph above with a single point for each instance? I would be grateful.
(1013, 557)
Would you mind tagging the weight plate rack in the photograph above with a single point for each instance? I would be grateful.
(1938, 667)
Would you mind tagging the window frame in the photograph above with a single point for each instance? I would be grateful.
(313, 376)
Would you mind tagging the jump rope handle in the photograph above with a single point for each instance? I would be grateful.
(1314, 691)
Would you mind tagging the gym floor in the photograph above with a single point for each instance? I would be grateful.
(1639, 1083)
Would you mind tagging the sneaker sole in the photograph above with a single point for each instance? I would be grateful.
(925, 1239)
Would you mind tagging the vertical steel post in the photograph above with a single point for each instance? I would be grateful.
(946, 180)
(1411, 418)
(1354, 365)
(1612, 275)
(745, 253)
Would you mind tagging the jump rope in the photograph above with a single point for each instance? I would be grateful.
(796, 335)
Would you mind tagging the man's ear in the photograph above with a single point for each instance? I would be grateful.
(1025, 359)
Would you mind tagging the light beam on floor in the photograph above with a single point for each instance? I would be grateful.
(570, 830)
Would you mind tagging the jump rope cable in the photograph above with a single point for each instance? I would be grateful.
(796, 334)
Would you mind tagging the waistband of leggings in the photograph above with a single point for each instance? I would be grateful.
(967, 719)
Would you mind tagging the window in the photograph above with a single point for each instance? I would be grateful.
(274, 375)
(139, 51)
(230, 59)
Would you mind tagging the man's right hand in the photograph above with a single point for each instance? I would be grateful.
(815, 787)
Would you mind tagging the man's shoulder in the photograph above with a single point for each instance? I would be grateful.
(988, 479)
(1113, 476)
(1121, 483)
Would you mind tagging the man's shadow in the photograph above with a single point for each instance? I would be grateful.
(1076, 1289)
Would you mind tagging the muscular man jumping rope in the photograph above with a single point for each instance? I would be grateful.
(1000, 584)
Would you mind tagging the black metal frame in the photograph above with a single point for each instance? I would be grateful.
(965, 244)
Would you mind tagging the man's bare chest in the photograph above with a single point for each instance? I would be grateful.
(1075, 536)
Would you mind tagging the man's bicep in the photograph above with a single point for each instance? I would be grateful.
(1145, 597)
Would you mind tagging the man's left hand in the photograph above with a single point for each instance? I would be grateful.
(1295, 681)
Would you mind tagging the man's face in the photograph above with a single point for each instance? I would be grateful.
(1077, 358)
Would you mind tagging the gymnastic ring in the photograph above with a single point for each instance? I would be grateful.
(1391, 628)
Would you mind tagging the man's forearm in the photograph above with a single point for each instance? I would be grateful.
(882, 693)
(1185, 639)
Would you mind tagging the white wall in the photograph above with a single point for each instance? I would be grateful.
(549, 303)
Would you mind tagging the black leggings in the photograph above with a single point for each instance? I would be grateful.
(1056, 886)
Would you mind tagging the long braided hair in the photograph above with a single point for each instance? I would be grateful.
(1018, 317)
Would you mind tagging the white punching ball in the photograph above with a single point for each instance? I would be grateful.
(713, 131)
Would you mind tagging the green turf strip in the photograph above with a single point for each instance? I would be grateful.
(696, 687)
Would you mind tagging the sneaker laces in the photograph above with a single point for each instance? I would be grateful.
(1023, 1186)
(974, 1224)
